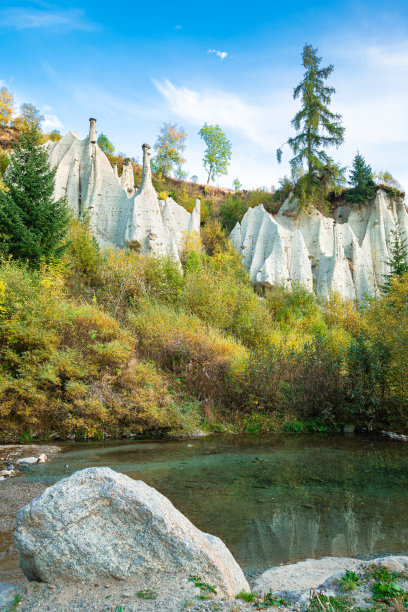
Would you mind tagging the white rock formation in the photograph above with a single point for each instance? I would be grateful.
(101, 524)
(345, 254)
(119, 215)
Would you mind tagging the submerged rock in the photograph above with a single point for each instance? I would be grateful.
(98, 523)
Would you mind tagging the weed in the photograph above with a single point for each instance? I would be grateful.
(269, 601)
(388, 591)
(205, 589)
(318, 602)
(248, 597)
(350, 581)
(147, 594)
(15, 603)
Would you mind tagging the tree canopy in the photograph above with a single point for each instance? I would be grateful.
(317, 127)
(105, 144)
(30, 115)
(361, 181)
(6, 106)
(169, 146)
(218, 153)
(33, 224)
(398, 262)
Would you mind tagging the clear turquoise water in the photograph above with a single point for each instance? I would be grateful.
(272, 499)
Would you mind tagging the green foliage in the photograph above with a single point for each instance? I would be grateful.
(33, 225)
(350, 581)
(169, 147)
(232, 210)
(248, 597)
(147, 594)
(320, 602)
(361, 181)
(398, 262)
(105, 144)
(237, 185)
(205, 588)
(218, 152)
(317, 129)
(270, 601)
(4, 161)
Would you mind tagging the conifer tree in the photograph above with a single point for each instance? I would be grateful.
(33, 225)
(398, 260)
(361, 181)
(317, 128)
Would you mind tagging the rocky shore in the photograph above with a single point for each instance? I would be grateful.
(100, 541)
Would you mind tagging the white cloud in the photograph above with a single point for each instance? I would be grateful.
(51, 122)
(259, 123)
(20, 18)
(178, 27)
(221, 54)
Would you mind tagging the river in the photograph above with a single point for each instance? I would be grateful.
(272, 499)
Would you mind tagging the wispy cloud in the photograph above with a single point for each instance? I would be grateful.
(20, 18)
(51, 122)
(255, 121)
(178, 27)
(221, 54)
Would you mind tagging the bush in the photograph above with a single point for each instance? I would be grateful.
(72, 367)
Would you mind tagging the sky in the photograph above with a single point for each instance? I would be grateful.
(137, 65)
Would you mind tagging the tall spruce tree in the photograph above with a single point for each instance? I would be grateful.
(33, 225)
(361, 181)
(398, 261)
(317, 129)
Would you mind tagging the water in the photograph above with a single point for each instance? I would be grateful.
(272, 499)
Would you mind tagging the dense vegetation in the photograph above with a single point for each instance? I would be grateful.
(112, 341)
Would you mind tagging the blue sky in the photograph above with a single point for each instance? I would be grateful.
(135, 65)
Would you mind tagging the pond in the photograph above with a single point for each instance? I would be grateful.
(272, 499)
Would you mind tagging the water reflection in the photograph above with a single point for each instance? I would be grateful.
(272, 499)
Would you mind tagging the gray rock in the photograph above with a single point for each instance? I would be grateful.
(28, 460)
(98, 523)
(301, 576)
(7, 595)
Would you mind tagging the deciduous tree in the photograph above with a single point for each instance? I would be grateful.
(6, 106)
(105, 144)
(218, 153)
(30, 115)
(169, 146)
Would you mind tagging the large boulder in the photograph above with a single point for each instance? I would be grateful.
(101, 524)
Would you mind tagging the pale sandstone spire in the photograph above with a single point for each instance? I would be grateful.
(146, 173)
(92, 130)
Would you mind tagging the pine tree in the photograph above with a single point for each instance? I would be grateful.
(398, 260)
(33, 225)
(317, 127)
(361, 181)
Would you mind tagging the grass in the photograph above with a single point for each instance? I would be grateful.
(248, 597)
(15, 603)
